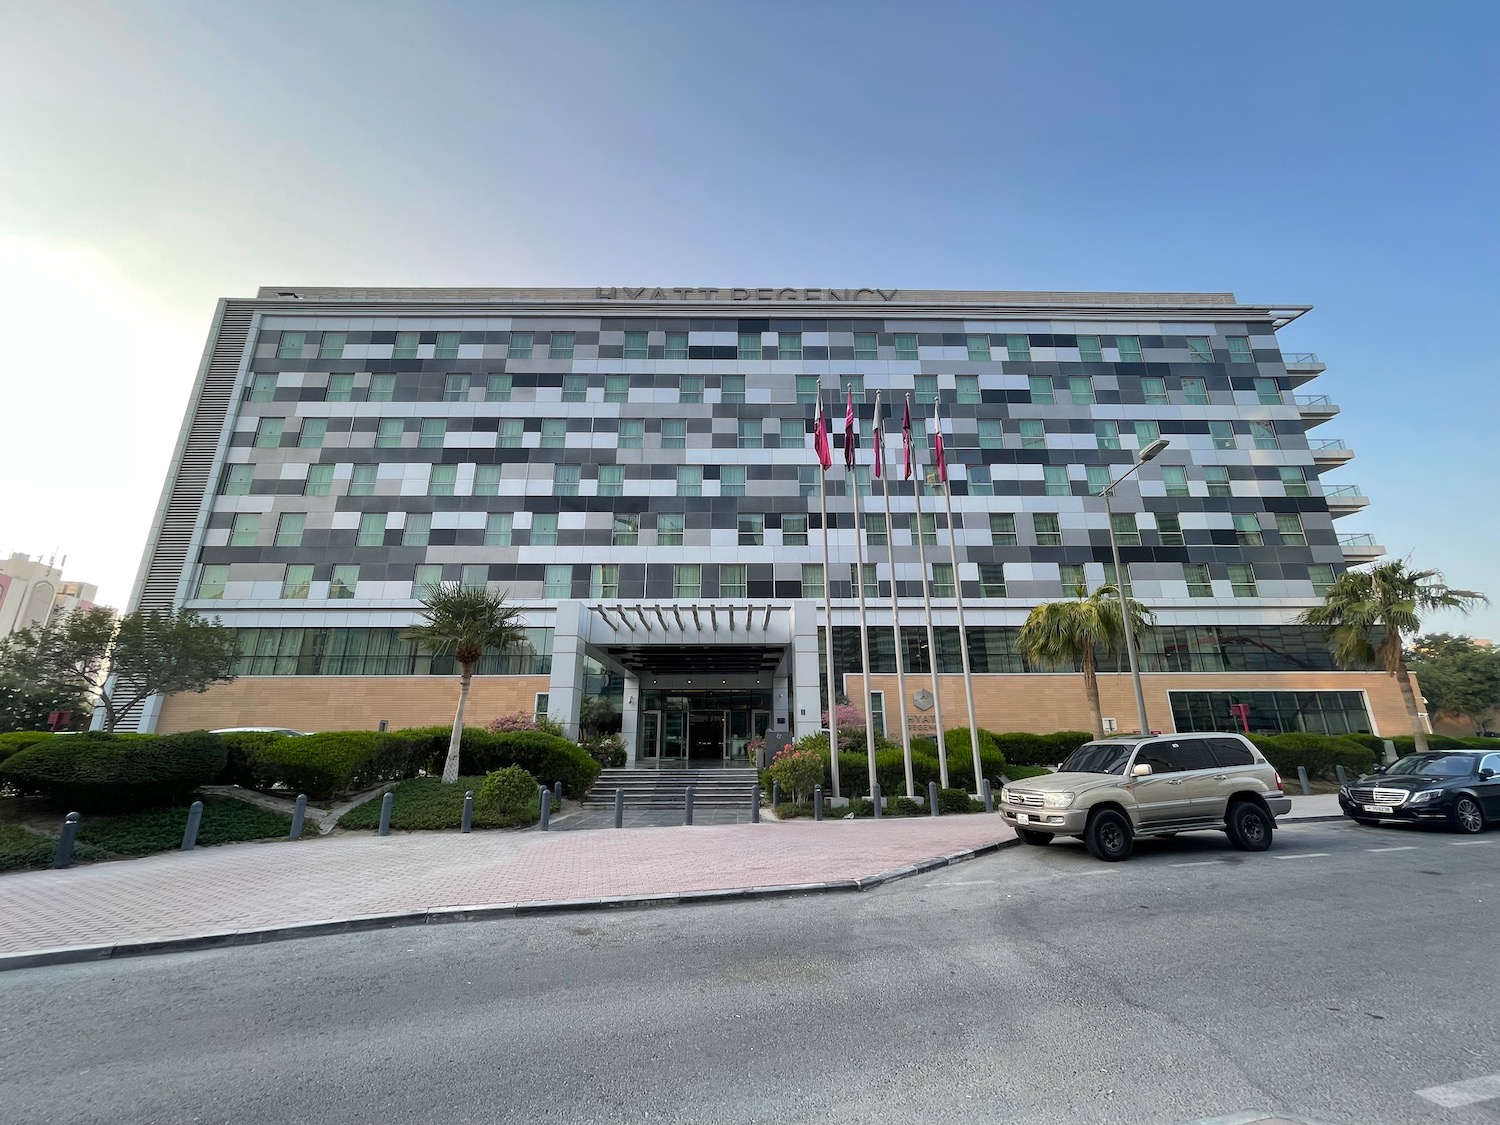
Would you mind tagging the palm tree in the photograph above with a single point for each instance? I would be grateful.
(1065, 632)
(467, 621)
(1369, 613)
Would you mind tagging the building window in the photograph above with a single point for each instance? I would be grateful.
(1081, 390)
(690, 389)
(1107, 434)
(1073, 578)
(862, 479)
(344, 581)
(1174, 477)
(1127, 531)
(1217, 477)
(1294, 480)
(1267, 393)
(637, 346)
(732, 389)
(544, 529)
(968, 390)
(1200, 349)
(906, 345)
(575, 388)
(687, 580)
(425, 577)
(689, 480)
(543, 706)
(508, 433)
(979, 349)
(456, 388)
(291, 345)
(866, 346)
(388, 433)
(732, 480)
(557, 581)
(1242, 580)
(793, 432)
(1169, 529)
(1046, 528)
(1089, 350)
(442, 479)
(1033, 433)
(406, 345)
(1097, 477)
(1055, 480)
(929, 529)
(417, 531)
(875, 530)
(561, 346)
(633, 433)
(749, 346)
(808, 481)
(486, 480)
(789, 345)
(732, 582)
(520, 345)
(245, 529)
(611, 480)
(852, 385)
(812, 580)
(627, 530)
(1239, 349)
(433, 432)
(990, 434)
(677, 346)
(872, 582)
(1289, 526)
(807, 390)
(297, 581)
(1130, 348)
(289, 529)
(340, 388)
(604, 580)
(1146, 432)
(565, 480)
(262, 388)
(497, 529)
(211, 582)
(268, 433)
(1322, 579)
(1222, 434)
(1018, 349)
(750, 433)
(474, 576)
(1118, 581)
(1195, 391)
(979, 481)
(794, 531)
(239, 478)
(554, 433)
(1198, 583)
(382, 388)
(1264, 435)
(924, 388)
(498, 388)
(1153, 389)
(942, 580)
(1002, 529)
(992, 580)
(362, 480)
(669, 529)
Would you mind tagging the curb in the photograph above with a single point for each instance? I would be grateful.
(359, 923)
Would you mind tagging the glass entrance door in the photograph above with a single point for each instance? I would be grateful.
(674, 728)
(651, 734)
(706, 733)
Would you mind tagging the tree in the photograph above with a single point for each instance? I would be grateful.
(1070, 632)
(120, 663)
(1369, 613)
(467, 621)
(1458, 677)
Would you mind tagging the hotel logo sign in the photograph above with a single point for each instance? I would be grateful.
(683, 293)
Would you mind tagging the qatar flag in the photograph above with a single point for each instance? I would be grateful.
(906, 441)
(820, 438)
(877, 440)
(851, 432)
(941, 462)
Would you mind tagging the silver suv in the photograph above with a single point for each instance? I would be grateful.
(1109, 792)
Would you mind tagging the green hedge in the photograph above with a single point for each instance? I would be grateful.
(961, 758)
(16, 741)
(225, 821)
(97, 772)
(1024, 749)
(320, 765)
(242, 747)
(547, 757)
(1318, 753)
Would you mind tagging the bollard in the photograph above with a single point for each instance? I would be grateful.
(817, 802)
(385, 814)
(1343, 778)
(1390, 751)
(64, 854)
(875, 800)
(932, 798)
(987, 793)
(1302, 777)
(299, 814)
(775, 793)
(755, 803)
(546, 800)
(557, 793)
(190, 833)
(468, 821)
(619, 808)
(687, 806)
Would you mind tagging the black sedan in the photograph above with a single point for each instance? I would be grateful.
(1452, 787)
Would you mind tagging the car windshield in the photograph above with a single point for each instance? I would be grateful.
(1098, 757)
(1435, 765)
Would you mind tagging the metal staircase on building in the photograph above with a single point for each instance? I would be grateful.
(667, 788)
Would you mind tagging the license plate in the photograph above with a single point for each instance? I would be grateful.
(1023, 818)
(1380, 808)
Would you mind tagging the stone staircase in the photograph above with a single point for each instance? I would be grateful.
(667, 788)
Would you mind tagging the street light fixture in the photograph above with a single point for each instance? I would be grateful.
(1149, 453)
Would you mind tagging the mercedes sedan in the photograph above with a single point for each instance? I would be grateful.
(1460, 789)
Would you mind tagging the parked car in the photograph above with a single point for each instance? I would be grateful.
(266, 730)
(1110, 792)
(1461, 789)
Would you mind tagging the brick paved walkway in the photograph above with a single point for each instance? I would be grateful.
(255, 886)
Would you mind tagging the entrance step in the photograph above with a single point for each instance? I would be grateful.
(667, 788)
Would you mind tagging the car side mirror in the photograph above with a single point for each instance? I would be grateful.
(1140, 769)
(1485, 775)
(1379, 768)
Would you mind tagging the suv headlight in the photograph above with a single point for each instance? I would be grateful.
(1057, 800)
(1426, 795)
(1004, 796)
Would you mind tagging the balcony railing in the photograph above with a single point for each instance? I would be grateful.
(1363, 539)
(1316, 402)
(1303, 361)
(1343, 490)
(1329, 443)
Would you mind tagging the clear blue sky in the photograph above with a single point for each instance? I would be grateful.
(160, 155)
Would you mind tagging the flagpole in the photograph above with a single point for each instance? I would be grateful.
(859, 584)
(833, 719)
(958, 603)
(932, 653)
(890, 554)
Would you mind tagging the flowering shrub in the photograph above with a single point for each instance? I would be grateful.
(516, 720)
(848, 715)
(797, 769)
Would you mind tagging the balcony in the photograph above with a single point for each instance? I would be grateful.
(1316, 409)
(1330, 451)
(1345, 499)
(1360, 548)
(1303, 363)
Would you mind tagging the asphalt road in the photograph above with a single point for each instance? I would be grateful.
(1323, 978)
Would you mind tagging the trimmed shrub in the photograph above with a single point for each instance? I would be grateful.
(16, 741)
(1318, 753)
(961, 758)
(1020, 773)
(798, 769)
(99, 772)
(1370, 741)
(790, 812)
(242, 746)
(426, 804)
(1064, 742)
(957, 801)
(1024, 749)
(320, 765)
(547, 757)
(508, 791)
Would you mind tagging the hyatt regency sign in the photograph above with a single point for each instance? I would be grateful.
(646, 293)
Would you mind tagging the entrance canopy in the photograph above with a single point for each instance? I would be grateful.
(699, 659)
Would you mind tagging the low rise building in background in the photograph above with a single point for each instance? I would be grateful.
(34, 592)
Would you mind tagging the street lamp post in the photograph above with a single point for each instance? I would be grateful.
(1146, 454)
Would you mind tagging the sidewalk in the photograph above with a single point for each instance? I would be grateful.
(245, 893)
(1320, 806)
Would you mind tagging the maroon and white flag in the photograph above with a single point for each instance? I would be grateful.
(906, 465)
(820, 438)
(851, 432)
(937, 428)
(877, 438)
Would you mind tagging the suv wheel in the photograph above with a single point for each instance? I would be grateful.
(1032, 836)
(1108, 836)
(1467, 816)
(1249, 827)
